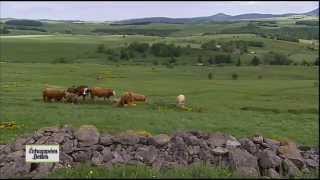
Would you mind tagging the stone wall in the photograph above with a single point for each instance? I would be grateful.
(254, 156)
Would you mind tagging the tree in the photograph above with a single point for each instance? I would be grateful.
(200, 59)
(235, 76)
(101, 48)
(172, 60)
(210, 76)
(238, 62)
(316, 62)
(255, 61)
(210, 60)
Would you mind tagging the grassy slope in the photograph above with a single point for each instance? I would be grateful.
(282, 88)
(82, 48)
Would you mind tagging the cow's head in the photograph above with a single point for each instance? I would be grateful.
(85, 91)
(114, 93)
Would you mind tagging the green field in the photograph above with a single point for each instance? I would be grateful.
(221, 99)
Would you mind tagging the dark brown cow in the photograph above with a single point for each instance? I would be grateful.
(80, 91)
(101, 92)
(50, 93)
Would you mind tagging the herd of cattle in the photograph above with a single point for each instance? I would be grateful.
(72, 95)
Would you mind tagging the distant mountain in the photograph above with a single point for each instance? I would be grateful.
(313, 13)
(216, 17)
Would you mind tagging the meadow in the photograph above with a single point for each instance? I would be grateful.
(281, 105)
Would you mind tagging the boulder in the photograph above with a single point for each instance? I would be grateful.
(147, 154)
(289, 150)
(217, 139)
(242, 158)
(64, 158)
(232, 144)
(220, 151)
(81, 156)
(312, 163)
(159, 140)
(290, 169)
(97, 158)
(107, 155)
(273, 174)
(127, 139)
(68, 146)
(87, 135)
(106, 139)
(191, 140)
(268, 159)
(248, 145)
(20, 144)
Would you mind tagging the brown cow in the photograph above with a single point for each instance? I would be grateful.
(50, 93)
(126, 100)
(101, 92)
(139, 97)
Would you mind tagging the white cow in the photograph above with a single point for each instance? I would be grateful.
(181, 100)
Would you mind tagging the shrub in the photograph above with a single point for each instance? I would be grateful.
(316, 62)
(260, 77)
(210, 60)
(101, 48)
(275, 58)
(210, 76)
(238, 62)
(255, 61)
(61, 60)
(235, 76)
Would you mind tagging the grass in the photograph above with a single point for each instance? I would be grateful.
(82, 48)
(217, 104)
(87, 171)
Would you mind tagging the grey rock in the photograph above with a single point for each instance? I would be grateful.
(106, 139)
(68, 146)
(42, 140)
(273, 174)
(45, 168)
(312, 163)
(268, 159)
(160, 140)
(147, 155)
(20, 144)
(64, 158)
(290, 151)
(191, 140)
(56, 138)
(15, 156)
(248, 145)
(289, 168)
(97, 158)
(117, 158)
(87, 135)
(217, 139)
(127, 139)
(242, 158)
(81, 156)
(232, 144)
(107, 155)
(220, 151)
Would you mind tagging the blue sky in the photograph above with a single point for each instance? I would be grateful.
(104, 11)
